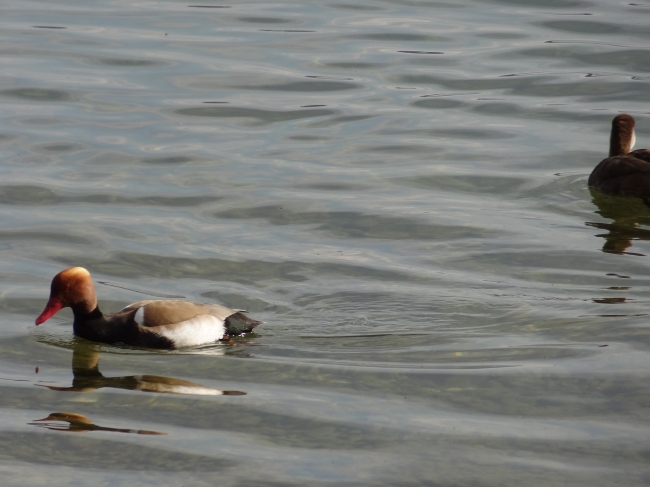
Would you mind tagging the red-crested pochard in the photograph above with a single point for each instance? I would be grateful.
(623, 173)
(152, 324)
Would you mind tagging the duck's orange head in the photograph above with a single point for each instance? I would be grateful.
(72, 287)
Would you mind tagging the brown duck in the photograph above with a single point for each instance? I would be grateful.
(623, 173)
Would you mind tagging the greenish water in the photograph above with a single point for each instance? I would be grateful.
(397, 188)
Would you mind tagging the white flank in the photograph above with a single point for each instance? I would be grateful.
(633, 140)
(196, 331)
(139, 316)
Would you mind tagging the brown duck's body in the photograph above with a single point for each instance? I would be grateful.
(623, 173)
(152, 324)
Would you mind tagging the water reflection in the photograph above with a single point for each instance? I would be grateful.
(88, 378)
(627, 215)
(78, 423)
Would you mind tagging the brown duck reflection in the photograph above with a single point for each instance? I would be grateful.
(78, 423)
(88, 378)
(627, 214)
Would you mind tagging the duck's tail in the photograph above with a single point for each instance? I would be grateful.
(239, 323)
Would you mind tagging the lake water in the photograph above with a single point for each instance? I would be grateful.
(397, 188)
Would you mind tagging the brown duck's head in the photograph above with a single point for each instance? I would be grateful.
(622, 138)
(72, 287)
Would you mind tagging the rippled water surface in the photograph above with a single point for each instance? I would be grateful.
(397, 188)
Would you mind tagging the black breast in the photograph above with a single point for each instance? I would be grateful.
(117, 328)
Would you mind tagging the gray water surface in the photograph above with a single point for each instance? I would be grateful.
(397, 188)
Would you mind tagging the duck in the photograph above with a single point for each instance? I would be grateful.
(623, 173)
(163, 324)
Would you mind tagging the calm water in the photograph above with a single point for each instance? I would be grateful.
(397, 188)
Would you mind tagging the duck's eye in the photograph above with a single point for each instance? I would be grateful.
(67, 287)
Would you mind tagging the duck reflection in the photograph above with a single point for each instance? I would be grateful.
(88, 378)
(78, 423)
(627, 214)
